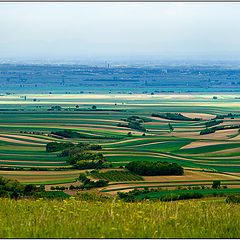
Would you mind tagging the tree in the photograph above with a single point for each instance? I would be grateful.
(129, 134)
(170, 127)
(94, 107)
(216, 184)
(214, 97)
(77, 106)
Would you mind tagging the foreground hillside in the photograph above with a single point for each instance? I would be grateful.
(75, 218)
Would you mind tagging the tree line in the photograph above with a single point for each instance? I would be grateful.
(154, 168)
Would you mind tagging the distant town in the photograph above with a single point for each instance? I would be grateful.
(125, 79)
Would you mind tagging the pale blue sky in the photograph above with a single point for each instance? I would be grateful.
(78, 30)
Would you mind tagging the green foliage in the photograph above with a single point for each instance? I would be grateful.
(55, 146)
(129, 134)
(216, 184)
(213, 123)
(229, 115)
(88, 184)
(170, 127)
(85, 156)
(150, 168)
(67, 133)
(175, 116)
(116, 176)
(233, 199)
(214, 129)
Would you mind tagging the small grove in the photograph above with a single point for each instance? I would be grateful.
(13, 189)
(79, 155)
(175, 116)
(214, 129)
(150, 168)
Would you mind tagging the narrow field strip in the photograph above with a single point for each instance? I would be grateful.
(25, 137)
(4, 139)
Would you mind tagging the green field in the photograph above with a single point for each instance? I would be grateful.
(24, 133)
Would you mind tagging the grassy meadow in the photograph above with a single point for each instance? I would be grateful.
(78, 218)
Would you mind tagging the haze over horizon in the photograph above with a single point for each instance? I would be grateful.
(127, 31)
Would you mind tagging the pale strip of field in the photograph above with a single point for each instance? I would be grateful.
(219, 158)
(47, 173)
(236, 138)
(20, 161)
(191, 176)
(81, 119)
(229, 123)
(218, 135)
(220, 164)
(15, 165)
(158, 118)
(40, 179)
(144, 144)
(125, 154)
(19, 141)
(111, 96)
(156, 123)
(186, 129)
(204, 116)
(25, 137)
(203, 143)
(124, 141)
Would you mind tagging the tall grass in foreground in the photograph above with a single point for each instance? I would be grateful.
(74, 218)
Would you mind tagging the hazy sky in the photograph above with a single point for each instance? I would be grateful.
(78, 30)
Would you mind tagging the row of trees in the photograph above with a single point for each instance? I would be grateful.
(214, 129)
(213, 123)
(175, 116)
(68, 133)
(154, 168)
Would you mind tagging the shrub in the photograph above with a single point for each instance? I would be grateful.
(55, 146)
(175, 116)
(216, 184)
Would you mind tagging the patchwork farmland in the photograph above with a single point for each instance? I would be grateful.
(27, 126)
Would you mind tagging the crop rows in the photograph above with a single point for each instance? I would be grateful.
(117, 176)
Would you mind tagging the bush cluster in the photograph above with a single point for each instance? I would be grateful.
(150, 168)
(233, 199)
(88, 184)
(134, 122)
(79, 155)
(213, 123)
(73, 134)
(55, 146)
(175, 116)
(214, 129)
